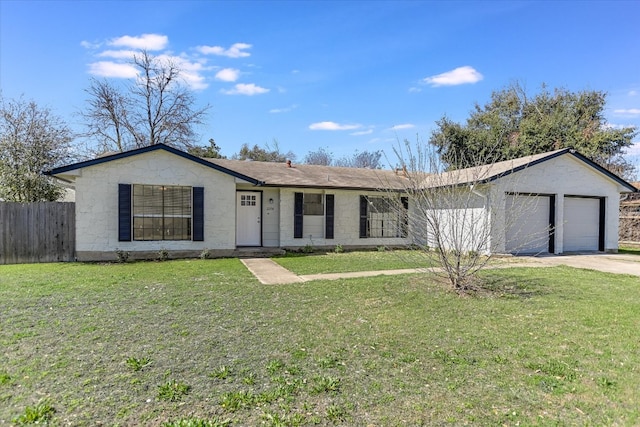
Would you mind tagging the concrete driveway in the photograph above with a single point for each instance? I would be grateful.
(609, 263)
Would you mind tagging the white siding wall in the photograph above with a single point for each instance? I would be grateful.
(346, 222)
(460, 220)
(97, 202)
(561, 176)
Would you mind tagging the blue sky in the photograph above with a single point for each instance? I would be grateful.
(346, 76)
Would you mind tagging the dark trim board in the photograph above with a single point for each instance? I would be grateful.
(552, 223)
(602, 225)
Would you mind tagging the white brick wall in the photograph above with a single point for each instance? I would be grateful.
(97, 201)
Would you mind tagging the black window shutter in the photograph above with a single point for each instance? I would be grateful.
(298, 213)
(404, 228)
(363, 216)
(328, 220)
(198, 214)
(124, 212)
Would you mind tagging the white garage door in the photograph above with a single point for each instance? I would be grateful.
(581, 224)
(527, 230)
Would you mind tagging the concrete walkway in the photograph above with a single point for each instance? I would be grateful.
(269, 272)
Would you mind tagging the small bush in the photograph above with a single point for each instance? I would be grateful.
(122, 256)
(163, 254)
(205, 254)
(172, 391)
(382, 248)
(308, 249)
(41, 413)
(338, 249)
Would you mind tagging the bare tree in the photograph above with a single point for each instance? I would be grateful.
(157, 108)
(106, 117)
(455, 217)
(362, 159)
(32, 140)
(320, 157)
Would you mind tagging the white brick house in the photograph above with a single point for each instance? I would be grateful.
(157, 197)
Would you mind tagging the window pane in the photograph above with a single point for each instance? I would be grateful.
(161, 212)
(313, 204)
(387, 217)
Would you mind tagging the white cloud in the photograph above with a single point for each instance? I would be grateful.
(112, 69)
(459, 76)
(402, 126)
(237, 50)
(145, 41)
(362, 132)
(194, 80)
(633, 93)
(332, 126)
(245, 89)
(628, 112)
(88, 45)
(228, 75)
(118, 54)
(414, 89)
(283, 110)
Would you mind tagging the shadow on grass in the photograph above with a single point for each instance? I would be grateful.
(520, 287)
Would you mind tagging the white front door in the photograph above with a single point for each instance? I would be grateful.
(248, 218)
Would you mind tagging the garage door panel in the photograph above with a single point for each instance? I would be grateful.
(581, 224)
(527, 224)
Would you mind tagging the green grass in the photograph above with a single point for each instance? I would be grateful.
(549, 346)
(629, 250)
(352, 261)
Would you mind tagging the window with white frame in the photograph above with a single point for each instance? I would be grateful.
(161, 212)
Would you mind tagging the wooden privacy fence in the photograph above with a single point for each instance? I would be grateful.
(37, 232)
(630, 219)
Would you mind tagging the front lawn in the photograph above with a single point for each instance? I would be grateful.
(156, 342)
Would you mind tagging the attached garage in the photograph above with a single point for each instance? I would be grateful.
(530, 219)
(583, 224)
